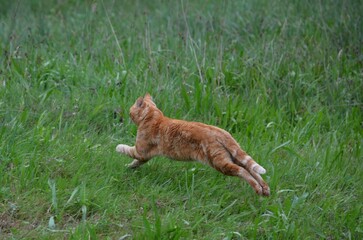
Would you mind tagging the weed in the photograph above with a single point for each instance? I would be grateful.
(284, 77)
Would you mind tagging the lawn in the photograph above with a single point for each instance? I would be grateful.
(285, 78)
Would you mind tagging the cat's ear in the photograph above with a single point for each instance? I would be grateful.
(148, 96)
(149, 99)
(139, 101)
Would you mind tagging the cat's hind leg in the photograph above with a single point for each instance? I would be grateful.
(224, 164)
(245, 161)
(235, 170)
(259, 179)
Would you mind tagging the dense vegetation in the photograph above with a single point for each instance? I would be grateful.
(284, 77)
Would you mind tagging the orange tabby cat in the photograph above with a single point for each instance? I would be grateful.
(158, 135)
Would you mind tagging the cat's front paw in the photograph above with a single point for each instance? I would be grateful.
(121, 148)
(134, 164)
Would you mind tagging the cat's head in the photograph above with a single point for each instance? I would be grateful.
(141, 108)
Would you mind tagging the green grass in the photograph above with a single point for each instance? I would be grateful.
(284, 77)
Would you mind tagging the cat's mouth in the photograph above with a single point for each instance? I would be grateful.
(132, 118)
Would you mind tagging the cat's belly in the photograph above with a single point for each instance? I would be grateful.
(180, 159)
(182, 146)
(178, 156)
(186, 155)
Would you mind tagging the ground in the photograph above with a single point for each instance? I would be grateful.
(283, 77)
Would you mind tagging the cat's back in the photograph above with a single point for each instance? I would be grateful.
(184, 140)
(194, 131)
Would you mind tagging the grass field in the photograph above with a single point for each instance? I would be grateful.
(284, 77)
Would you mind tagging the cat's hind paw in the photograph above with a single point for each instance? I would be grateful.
(265, 191)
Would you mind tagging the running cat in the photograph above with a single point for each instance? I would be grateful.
(158, 135)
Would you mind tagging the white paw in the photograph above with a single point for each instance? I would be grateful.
(258, 169)
(121, 148)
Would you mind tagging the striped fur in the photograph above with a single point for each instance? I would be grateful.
(158, 135)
